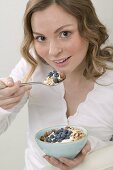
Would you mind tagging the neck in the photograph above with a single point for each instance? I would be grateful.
(75, 78)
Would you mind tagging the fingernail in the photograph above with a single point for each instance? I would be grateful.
(9, 83)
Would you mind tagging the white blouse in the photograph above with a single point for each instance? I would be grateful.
(47, 107)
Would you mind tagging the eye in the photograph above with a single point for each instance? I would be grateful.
(40, 38)
(65, 34)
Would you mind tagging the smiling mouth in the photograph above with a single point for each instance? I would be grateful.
(62, 61)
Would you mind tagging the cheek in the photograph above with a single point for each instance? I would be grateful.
(78, 47)
(41, 50)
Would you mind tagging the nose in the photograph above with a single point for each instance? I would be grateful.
(54, 49)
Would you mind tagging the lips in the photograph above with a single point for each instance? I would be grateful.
(61, 60)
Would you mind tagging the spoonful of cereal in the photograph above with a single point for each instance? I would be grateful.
(53, 79)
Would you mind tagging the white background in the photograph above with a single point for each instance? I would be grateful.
(13, 142)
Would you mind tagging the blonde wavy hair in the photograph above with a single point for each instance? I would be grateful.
(89, 27)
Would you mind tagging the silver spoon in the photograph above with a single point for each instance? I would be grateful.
(53, 79)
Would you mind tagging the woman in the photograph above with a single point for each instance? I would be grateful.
(66, 36)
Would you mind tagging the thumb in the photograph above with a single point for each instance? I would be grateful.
(8, 81)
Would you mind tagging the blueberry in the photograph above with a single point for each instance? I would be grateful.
(62, 129)
(67, 137)
(66, 131)
(52, 136)
(59, 135)
(56, 75)
(63, 136)
(54, 140)
(63, 133)
(48, 140)
(50, 74)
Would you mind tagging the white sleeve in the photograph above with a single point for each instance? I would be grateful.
(7, 116)
(20, 70)
(98, 143)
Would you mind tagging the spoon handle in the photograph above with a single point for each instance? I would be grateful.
(3, 86)
(32, 83)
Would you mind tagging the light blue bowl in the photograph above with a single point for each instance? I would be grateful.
(57, 150)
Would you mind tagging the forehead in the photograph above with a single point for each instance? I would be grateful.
(53, 16)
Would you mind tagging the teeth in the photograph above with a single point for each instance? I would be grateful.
(60, 61)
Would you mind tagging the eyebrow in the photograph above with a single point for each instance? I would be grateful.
(60, 28)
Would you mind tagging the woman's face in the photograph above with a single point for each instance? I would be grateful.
(57, 39)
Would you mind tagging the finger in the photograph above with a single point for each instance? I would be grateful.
(73, 162)
(56, 163)
(8, 81)
(86, 148)
(13, 103)
(79, 159)
(52, 161)
(8, 91)
(4, 103)
(22, 90)
(10, 106)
